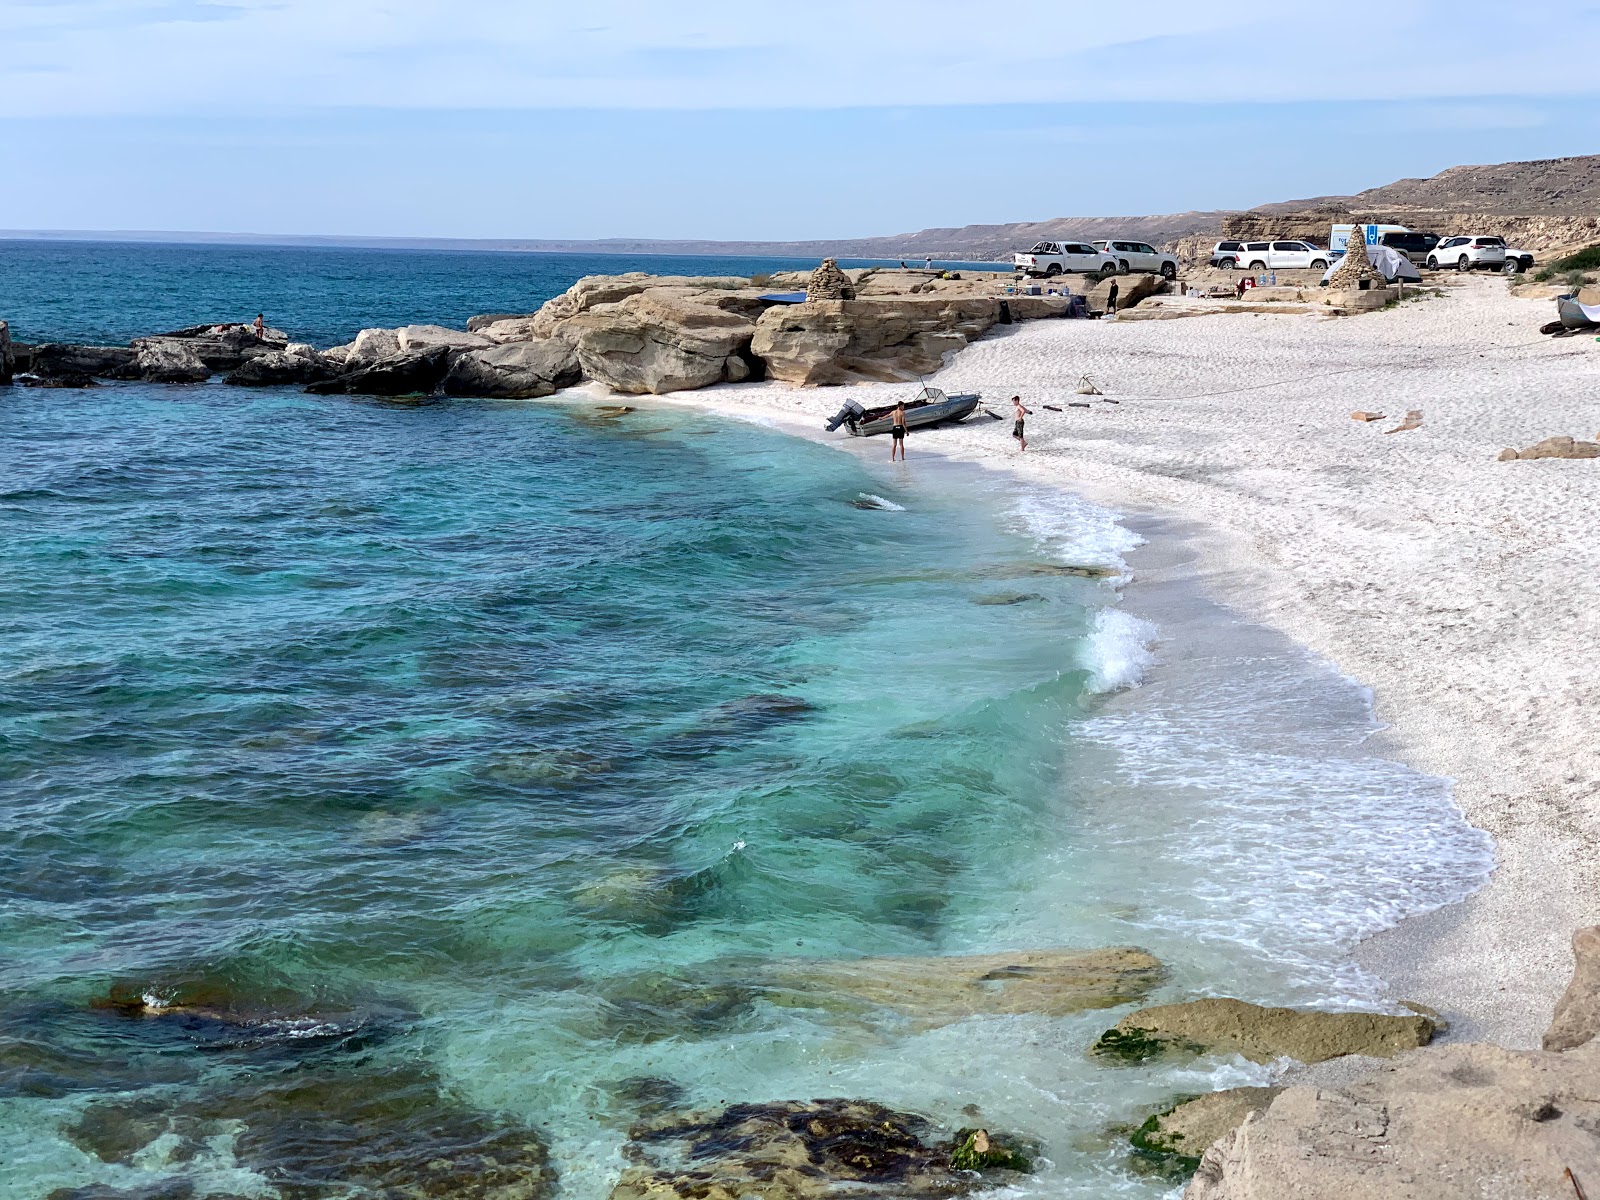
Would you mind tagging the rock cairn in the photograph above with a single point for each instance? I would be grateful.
(1356, 266)
(830, 283)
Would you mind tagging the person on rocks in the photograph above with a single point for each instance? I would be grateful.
(260, 327)
(897, 441)
(1021, 415)
(1111, 298)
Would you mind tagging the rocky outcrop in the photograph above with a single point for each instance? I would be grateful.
(1577, 1016)
(414, 338)
(518, 371)
(370, 346)
(400, 375)
(480, 323)
(299, 364)
(1222, 1026)
(511, 329)
(163, 360)
(886, 340)
(222, 347)
(1553, 447)
(1178, 1136)
(1131, 289)
(1438, 1124)
(592, 291)
(58, 358)
(664, 340)
(938, 990)
(807, 1150)
(8, 357)
(827, 282)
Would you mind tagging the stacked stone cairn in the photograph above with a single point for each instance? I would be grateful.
(829, 283)
(1356, 268)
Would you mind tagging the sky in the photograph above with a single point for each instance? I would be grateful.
(754, 119)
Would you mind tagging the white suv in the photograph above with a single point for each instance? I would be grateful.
(1061, 258)
(1280, 256)
(1140, 256)
(1465, 253)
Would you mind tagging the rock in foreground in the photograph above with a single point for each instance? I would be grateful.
(1553, 447)
(1260, 1034)
(1445, 1123)
(797, 1150)
(1577, 1015)
(1180, 1135)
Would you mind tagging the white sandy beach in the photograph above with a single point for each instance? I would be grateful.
(1464, 591)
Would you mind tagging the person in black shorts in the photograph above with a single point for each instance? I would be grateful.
(1021, 413)
(1111, 298)
(897, 440)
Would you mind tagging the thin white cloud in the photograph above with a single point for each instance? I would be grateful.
(100, 57)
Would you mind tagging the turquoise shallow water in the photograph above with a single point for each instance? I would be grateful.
(515, 742)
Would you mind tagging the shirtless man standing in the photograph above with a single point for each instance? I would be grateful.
(898, 441)
(1021, 413)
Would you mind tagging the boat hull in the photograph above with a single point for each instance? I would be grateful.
(956, 408)
(1577, 316)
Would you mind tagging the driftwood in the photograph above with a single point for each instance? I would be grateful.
(1413, 421)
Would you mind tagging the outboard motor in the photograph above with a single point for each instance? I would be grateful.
(851, 412)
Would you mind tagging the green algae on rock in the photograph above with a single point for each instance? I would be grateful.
(1224, 1026)
(800, 1150)
(1176, 1137)
(980, 1150)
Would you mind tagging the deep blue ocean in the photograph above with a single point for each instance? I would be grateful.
(382, 782)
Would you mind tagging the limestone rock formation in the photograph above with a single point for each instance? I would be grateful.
(885, 340)
(1438, 1124)
(510, 329)
(57, 358)
(299, 364)
(518, 371)
(663, 340)
(1355, 268)
(594, 290)
(1221, 1026)
(1577, 1016)
(1130, 290)
(8, 358)
(1553, 447)
(1181, 1134)
(414, 338)
(796, 1150)
(222, 347)
(482, 321)
(398, 375)
(372, 345)
(163, 360)
(942, 989)
(827, 282)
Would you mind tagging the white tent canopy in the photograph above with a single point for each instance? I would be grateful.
(1390, 262)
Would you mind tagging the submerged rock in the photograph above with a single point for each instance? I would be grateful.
(1441, 1123)
(795, 1150)
(67, 379)
(518, 371)
(331, 1134)
(1222, 1026)
(943, 989)
(1178, 1136)
(401, 375)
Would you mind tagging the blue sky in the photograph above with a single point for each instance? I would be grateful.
(753, 119)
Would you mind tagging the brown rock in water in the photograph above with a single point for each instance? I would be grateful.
(1577, 1016)
(1445, 1123)
(1260, 1034)
(827, 282)
(664, 340)
(943, 989)
(790, 1150)
(1183, 1132)
(335, 1133)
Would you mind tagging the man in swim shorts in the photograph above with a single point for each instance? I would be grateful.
(898, 433)
(1021, 413)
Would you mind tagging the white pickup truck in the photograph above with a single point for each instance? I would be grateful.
(1065, 258)
(1140, 256)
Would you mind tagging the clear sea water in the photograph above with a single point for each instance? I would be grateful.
(542, 729)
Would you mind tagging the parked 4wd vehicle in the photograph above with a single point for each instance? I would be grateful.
(1415, 246)
(1063, 258)
(1518, 260)
(1465, 253)
(1140, 256)
(1226, 254)
(1275, 256)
